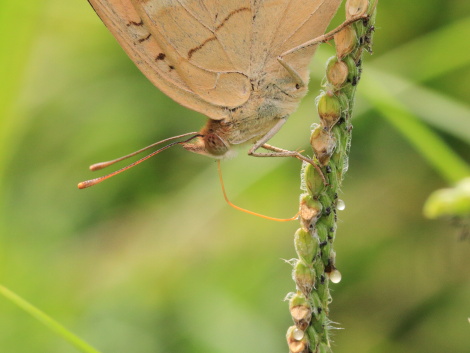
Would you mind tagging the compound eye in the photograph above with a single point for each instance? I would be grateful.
(215, 145)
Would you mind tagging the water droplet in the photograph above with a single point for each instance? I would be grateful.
(298, 334)
(335, 276)
(340, 205)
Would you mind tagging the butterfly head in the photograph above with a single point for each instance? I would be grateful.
(209, 143)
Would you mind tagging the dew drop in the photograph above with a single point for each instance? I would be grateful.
(335, 276)
(298, 334)
(340, 205)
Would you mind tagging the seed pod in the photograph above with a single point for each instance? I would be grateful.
(305, 245)
(310, 211)
(345, 41)
(296, 340)
(356, 8)
(313, 180)
(336, 72)
(304, 277)
(329, 109)
(297, 299)
(323, 144)
(301, 311)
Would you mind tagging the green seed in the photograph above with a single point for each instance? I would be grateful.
(329, 109)
(310, 211)
(323, 145)
(305, 245)
(304, 277)
(313, 180)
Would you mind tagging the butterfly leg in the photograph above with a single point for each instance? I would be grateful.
(298, 80)
(321, 39)
(279, 152)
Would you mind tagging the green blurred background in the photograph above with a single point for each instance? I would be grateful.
(154, 260)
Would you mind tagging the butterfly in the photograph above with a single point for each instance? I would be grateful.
(242, 63)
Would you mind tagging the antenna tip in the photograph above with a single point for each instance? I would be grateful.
(84, 184)
(98, 166)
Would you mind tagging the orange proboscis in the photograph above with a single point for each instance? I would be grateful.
(295, 217)
(99, 166)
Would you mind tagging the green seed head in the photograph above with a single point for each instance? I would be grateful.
(323, 145)
(296, 340)
(336, 72)
(304, 277)
(329, 109)
(310, 211)
(313, 180)
(314, 271)
(305, 245)
(297, 299)
(301, 311)
(322, 228)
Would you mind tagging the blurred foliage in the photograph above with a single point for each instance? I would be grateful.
(155, 261)
(449, 202)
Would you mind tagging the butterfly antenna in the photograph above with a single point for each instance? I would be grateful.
(101, 165)
(248, 211)
(98, 166)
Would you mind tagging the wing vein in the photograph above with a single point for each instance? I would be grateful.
(297, 29)
(276, 33)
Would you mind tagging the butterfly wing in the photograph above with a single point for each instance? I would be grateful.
(279, 26)
(199, 38)
(136, 38)
(204, 53)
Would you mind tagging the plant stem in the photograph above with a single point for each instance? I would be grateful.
(47, 321)
(330, 140)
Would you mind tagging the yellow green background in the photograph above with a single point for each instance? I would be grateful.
(155, 261)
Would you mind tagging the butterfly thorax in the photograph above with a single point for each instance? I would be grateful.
(268, 102)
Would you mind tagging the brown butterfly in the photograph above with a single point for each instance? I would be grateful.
(242, 63)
